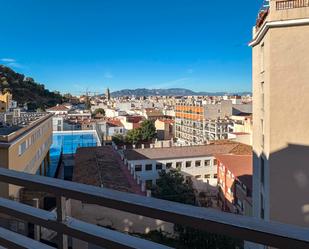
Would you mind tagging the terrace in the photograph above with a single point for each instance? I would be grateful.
(246, 228)
(13, 125)
(291, 4)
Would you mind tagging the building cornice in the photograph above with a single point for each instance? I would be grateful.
(276, 24)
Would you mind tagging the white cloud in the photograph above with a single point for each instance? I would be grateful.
(8, 60)
(108, 75)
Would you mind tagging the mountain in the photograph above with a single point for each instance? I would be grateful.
(169, 92)
(26, 90)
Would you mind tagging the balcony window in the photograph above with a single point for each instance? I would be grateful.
(188, 164)
(169, 165)
(158, 166)
(138, 168)
(148, 167)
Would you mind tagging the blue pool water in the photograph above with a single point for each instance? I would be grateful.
(68, 143)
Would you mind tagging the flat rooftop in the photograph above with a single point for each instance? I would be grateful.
(9, 130)
(224, 147)
(102, 166)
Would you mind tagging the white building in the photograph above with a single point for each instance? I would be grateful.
(195, 162)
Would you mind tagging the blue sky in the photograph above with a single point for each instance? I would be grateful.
(72, 45)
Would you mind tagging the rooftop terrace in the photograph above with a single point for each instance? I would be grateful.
(12, 126)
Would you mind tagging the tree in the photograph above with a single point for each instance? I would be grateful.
(148, 130)
(99, 111)
(171, 186)
(118, 139)
(134, 136)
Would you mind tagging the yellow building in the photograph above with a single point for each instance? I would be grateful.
(281, 112)
(25, 147)
(5, 101)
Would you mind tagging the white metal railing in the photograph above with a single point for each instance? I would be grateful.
(246, 228)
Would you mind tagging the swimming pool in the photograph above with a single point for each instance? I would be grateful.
(68, 142)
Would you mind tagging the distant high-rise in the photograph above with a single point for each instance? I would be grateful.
(108, 94)
(281, 112)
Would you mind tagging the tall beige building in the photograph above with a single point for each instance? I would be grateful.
(281, 112)
(24, 146)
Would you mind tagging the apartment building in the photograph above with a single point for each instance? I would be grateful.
(235, 183)
(240, 129)
(280, 48)
(24, 146)
(198, 123)
(197, 163)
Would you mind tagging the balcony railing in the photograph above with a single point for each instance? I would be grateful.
(245, 228)
(291, 4)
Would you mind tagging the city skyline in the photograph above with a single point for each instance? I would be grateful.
(104, 44)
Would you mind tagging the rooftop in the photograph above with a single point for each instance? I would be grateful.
(21, 123)
(58, 108)
(101, 166)
(187, 151)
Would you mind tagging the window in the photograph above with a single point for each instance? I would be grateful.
(198, 177)
(215, 176)
(197, 163)
(207, 176)
(188, 164)
(148, 167)
(159, 166)
(215, 162)
(22, 147)
(148, 184)
(262, 58)
(262, 96)
(169, 165)
(262, 170)
(138, 168)
(178, 165)
(207, 162)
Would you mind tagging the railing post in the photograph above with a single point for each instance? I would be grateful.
(62, 238)
(37, 229)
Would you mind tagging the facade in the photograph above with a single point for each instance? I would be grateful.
(199, 123)
(25, 148)
(164, 129)
(235, 183)
(58, 123)
(280, 49)
(5, 101)
(241, 127)
(197, 163)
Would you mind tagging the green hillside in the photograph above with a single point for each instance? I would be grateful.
(26, 91)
